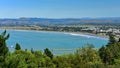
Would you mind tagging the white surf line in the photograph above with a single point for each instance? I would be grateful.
(84, 35)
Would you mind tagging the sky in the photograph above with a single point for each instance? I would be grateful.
(59, 8)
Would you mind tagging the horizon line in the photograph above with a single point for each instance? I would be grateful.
(58, 18)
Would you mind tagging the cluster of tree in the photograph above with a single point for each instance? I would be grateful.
(66, 29)
(110, 54)
(86, 57)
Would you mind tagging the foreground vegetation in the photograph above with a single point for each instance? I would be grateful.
(86, 57)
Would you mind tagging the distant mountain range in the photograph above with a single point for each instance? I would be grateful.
(46, 21)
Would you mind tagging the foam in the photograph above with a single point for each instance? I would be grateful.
(87, 36)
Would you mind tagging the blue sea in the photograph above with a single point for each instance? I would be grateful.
(39, 40)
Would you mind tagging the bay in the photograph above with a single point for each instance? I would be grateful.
(39, 40)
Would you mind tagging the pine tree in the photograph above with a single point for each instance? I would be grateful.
(3, 47)
(112, 40)
(17, 47)
(102, 54)
(48, 53)
(32, 51)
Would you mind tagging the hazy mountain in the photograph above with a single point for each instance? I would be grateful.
(47, 21)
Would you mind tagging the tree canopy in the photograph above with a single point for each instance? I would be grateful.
(17, 47)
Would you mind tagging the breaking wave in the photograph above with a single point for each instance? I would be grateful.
(87, 36)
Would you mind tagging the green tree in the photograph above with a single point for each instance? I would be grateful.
(32, 51)
(3, 47)
(119, 40)
(48, 53)
(17, 47)
(89, 54)
(102, 53)
(106, 55)
(112, 39)
(109, 56)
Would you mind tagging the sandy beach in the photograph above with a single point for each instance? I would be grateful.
(65, 32)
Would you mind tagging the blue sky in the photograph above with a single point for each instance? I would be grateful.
(59, 8)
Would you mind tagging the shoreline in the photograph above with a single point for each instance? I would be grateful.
(89, 34)
(81, 33)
